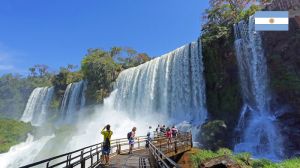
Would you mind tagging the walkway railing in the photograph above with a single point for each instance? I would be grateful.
(90, 156)
(162, 149)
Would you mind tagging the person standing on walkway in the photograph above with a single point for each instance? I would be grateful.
(149, 136)
(157, 130)
(174, 131)
(162, 130)
(169, 135)
(106, 143)
(131, 137)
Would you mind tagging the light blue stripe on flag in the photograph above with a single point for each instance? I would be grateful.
(271, 27)
(272, 14)
(279, 21)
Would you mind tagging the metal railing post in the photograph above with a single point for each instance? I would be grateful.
(191, 137)
(97, 152)
(175, 146)
(91, 155)
(82, 162)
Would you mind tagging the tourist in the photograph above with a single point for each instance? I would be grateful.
(157, 130)
(163, 130)
(169, 135)
(131, 137)
(149, 136)
(106, 143)
(174, 131)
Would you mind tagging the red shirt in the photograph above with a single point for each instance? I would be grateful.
(169, 134)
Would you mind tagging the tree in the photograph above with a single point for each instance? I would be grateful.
(115, 51)
(41, 68)
(32, 72)
(222, 14)
(99, 68)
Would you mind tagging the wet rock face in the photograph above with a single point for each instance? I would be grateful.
(220, 162)
(214, 135)
(282, 50)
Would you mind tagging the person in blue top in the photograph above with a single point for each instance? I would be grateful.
(131, 137)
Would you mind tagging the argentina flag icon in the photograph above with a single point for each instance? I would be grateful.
(271, 21)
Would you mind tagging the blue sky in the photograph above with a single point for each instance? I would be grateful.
(59, 32)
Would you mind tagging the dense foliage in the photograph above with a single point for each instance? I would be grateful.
(12, 132)
(101, 68)
(15, 90)
(222, 14)
(220, 64)
(243, 159)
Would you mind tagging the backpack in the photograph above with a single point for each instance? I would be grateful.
(129, 135)
(107, 141)
(174, 131)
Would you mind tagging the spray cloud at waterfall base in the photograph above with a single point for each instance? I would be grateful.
(257, 124)
(167, 90)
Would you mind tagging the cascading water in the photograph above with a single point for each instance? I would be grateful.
(166, 90)
(23, 153)
(73, 101)
(172, 84)
(37, 105)
(260, 134)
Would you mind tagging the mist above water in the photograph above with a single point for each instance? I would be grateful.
(167, 90)
(37, 105)
(260, 135)
(23, 153)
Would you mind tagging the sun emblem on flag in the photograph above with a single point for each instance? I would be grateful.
(271, 20)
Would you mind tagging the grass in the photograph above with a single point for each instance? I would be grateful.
(12, 132)
(243, 159)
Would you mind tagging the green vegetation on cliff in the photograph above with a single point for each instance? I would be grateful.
(12, 132)
(243, 160)
(15, 90)
(224, 99)
(101, 68)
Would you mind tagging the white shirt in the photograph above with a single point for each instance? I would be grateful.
(150, 131)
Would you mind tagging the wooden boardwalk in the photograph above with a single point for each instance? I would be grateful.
(139, 158)
(157, 155)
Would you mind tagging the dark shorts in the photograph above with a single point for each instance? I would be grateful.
(105, 150)
(131, 142)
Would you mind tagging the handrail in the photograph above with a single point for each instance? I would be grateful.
(86, 153)
(160, 157)
(83, 155)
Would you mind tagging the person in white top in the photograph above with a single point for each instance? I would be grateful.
(149, 136)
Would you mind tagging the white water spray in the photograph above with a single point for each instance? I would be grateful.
(260, 134)
(23, 153)
(172, 84)
(73, 101)
(167, 90)
(37, 105)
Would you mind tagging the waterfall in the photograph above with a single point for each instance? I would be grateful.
(166, 90)
(37, 105)
(172, 84)
(23, 153)
(73, 100)
(260, 134)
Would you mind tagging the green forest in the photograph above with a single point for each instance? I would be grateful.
(101, 68)
(98, 66)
